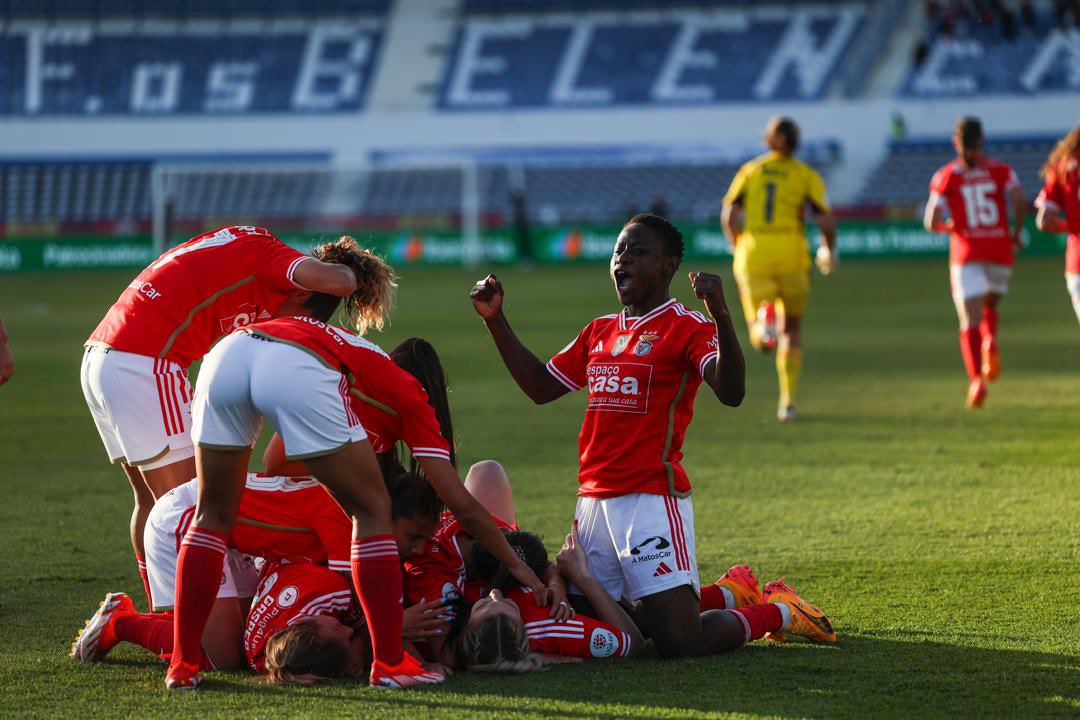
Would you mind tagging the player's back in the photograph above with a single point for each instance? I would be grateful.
(976, 198)
(774, 191)
(293, 519)
(198, 291)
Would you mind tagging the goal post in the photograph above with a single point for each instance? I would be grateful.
(301, 201)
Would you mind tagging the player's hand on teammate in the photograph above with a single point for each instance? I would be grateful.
(561, 609)
(487, 297)
(571, 560)
(524, 575)
(710, 288)
(425, 620)
(825, 259)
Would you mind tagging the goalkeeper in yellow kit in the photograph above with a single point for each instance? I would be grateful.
(764, 219)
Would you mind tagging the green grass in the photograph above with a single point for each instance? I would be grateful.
(944, 543)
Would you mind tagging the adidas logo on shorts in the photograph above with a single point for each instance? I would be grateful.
(662, 569)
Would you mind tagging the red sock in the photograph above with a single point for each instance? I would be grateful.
(989, 324)
(152, 631)
(198, 575)
(971, 350)
(145, 579)
(712, 598)
(758, 620)
(376, 575)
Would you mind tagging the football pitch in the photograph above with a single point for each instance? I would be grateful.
(944, 544)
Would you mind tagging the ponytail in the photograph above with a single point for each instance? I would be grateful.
(369, 306)
(1068, 146)
(418, 357)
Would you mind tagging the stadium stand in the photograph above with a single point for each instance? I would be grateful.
(509, 55)
(993, 48)
(903, 176)
(72, 57)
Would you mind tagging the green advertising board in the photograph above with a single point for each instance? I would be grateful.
(586, 243)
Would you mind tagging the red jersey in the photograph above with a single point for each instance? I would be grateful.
(642, 375)
(391, 404)
(196, 292)
(976, 200)
(440, 571)
(290, 593)
(582, 636)
(286, 519)
(1061, 192)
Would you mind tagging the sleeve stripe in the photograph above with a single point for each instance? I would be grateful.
(704, 363)
(558, 375)
(431, 452)
(292, 270)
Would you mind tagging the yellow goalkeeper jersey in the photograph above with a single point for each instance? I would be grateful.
(774, 192)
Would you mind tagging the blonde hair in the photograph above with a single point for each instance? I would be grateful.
(497, 644)
(297, 655)
(370, 305)
(1068, 145)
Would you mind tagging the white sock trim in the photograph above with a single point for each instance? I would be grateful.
(729, 599)
(785, 613)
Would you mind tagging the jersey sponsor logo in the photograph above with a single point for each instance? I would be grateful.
(619, 387)
(661, 570)
(645, 343)
(620, 344)
(287, 596)
(246, 315)
(603, 643)
(713, 344)
(641, 554)
(145, 288)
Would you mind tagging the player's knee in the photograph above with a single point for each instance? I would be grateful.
(488, 473)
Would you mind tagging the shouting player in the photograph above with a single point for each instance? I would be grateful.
(642, 368)
(969, 199)
(135, 368)
(1059, 206)
(763, 218)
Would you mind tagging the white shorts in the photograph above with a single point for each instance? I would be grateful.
(164, 531)
(246, 378)
(639, 545)
(141, 406)
(976, 279)
(1072, 282)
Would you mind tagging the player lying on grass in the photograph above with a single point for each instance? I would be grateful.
(1059, 206)
(240, 383)
(286, 521)
(135, 367)
(641, 368)
(970, 198)
(504, 632)
(764, 219)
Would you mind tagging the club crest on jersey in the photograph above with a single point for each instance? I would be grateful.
(620, 344)
(645, 343)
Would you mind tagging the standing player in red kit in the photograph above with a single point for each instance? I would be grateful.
(642, 368)
(135, 367)
(969, 199)
(1060, 197)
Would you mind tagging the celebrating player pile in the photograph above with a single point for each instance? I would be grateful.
(335, 399)
(968, 201)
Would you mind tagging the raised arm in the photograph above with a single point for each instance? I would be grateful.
(330, 278)
(726, 374)
(530, 373)
(573, 564)
(478, 522)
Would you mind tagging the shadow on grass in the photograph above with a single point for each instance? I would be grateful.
(864, 677)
